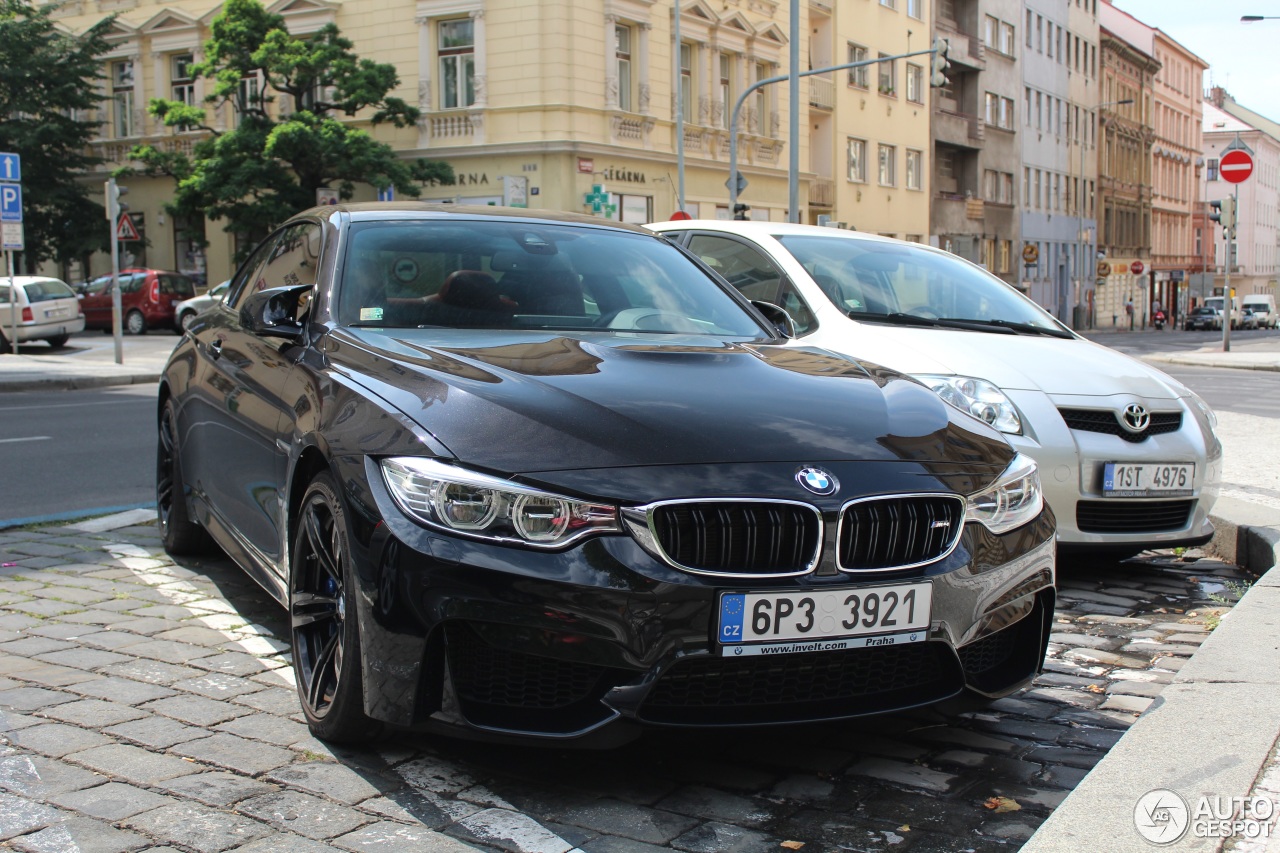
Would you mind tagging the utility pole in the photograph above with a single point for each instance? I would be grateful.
(113, 192)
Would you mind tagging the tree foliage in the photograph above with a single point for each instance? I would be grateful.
(265, 169)
(48, 79)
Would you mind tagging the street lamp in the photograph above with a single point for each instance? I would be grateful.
(1253, 19)
(1080, 247)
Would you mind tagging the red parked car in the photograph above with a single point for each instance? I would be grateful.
(147, 298)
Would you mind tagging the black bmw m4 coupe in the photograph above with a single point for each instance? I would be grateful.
(526, 475)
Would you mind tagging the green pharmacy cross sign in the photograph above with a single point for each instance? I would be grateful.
(599, 200)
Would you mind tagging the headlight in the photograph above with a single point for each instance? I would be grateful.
(979, 398)
(486, 507)
(1014, 500)
(1210, 415)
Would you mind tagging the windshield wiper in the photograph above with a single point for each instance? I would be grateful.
(902, 319)
(1024, 328)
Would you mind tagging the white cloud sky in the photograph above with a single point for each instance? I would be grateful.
(1242, 57)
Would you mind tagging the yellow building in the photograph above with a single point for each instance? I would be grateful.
(571, 105)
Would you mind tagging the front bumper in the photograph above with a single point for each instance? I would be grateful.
(593, 642)
(1072, 462)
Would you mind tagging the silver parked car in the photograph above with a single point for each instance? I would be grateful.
(46, 310)
(1127, 454)
(186, 310)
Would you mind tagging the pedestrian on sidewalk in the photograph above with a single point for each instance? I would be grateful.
(1128, 310)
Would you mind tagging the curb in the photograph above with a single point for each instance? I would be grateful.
(1213, 729)
(77, 382)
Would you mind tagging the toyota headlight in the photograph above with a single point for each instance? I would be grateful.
(485, 507)
(1015, 499)
(979, 398)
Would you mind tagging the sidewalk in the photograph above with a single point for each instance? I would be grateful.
(88, 361)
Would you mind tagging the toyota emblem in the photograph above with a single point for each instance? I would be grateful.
(1136, 418)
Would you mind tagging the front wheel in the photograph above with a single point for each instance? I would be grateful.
(184, 322)
(324, 621)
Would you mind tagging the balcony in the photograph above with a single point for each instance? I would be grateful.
(962, 130)
(822, 193)
(967, 52)
(822, 92)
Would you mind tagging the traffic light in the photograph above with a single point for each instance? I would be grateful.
(740, 211)
(938, 65)
(112, 191)
(1223, 212)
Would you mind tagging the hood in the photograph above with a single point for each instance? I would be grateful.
(1056, 366)
(516, 402)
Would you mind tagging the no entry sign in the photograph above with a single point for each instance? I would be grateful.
(1236, 166)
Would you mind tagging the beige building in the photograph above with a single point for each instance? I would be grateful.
(586, 121)
(1175, 172)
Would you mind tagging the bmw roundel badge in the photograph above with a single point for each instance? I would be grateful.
(817, 480)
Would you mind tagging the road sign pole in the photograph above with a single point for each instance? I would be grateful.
(1228, 304)
(116, 332)
(13, 306)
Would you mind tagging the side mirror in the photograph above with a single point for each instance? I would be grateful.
(273, 313)
(777, 317)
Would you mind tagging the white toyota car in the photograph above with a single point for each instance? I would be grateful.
(1127, 454)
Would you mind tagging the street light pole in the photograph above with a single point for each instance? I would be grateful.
(679, 63)
(1081, 245)
(734, 177)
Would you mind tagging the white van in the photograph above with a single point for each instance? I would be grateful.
(1263, 305)
(1219, 302)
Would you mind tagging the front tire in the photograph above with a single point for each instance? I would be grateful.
(324, 622)
(178, 532)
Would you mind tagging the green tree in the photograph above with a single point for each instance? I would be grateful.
(265, 169)
(48, 79)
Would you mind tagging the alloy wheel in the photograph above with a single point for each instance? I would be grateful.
(318, 606)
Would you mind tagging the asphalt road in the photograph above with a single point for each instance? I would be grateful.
(66, 454)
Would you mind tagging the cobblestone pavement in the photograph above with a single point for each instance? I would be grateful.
(149, 706)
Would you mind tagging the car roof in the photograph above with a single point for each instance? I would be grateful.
(760, 228)
(378, 210)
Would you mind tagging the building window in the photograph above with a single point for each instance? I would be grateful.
(122, 98)
(915, 170)
(859, 77)
(888, 76)
(1006, 113)
(249, 98)
(991, 107)
(991, 32)
(888, 166)
(1027, 30)
(915, 83)
(726, 88)
(182, 85)
(763, 72)
(858, 160)
(1007, 39)
(889, 4)
(1006, 250)
(686, 81)
(622, 54)
(457, 64)
(1211, 170)
(914, 9)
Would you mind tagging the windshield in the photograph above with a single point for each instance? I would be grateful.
(867, 278)
(47, 289)
(482, 274)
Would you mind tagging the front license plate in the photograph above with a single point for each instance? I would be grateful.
(1137, 480)
(820, 615)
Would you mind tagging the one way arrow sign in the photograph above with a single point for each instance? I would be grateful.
(125, 229)
(10, 167)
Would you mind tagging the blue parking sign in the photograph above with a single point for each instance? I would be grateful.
(10, 202)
